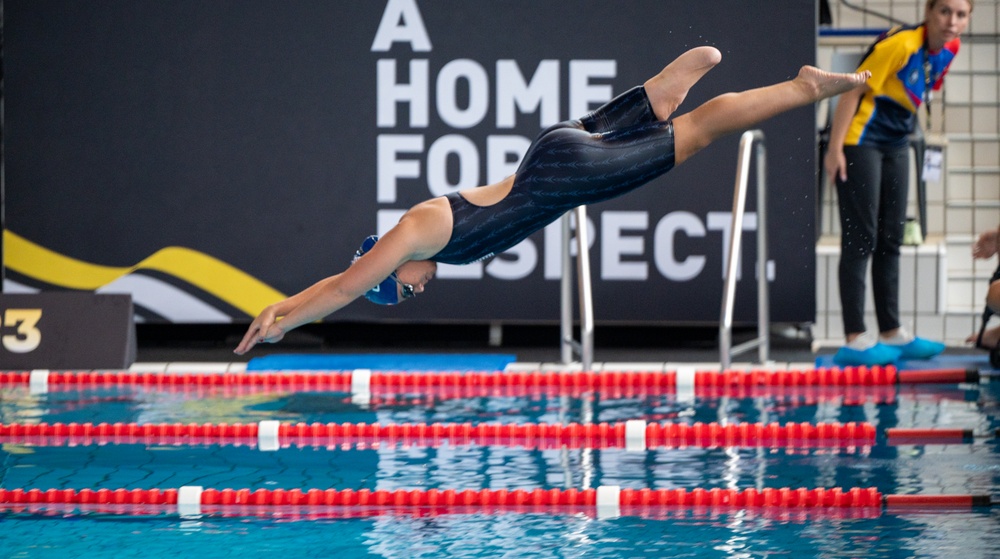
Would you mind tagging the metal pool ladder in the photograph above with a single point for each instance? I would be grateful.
(749, 140)
(568, 345)
(585, 346)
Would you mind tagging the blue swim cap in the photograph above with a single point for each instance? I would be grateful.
(386, 292)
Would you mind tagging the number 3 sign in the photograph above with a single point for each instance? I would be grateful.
(27, 336)
(66, 330)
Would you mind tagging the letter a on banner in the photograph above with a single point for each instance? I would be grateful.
(401, 22)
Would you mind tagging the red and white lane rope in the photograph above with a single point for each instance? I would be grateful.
(631, 435)
(682, 382)
(393, 396)
(604, 501)
(634, 435)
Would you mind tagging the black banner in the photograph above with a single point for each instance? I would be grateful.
(209, 157)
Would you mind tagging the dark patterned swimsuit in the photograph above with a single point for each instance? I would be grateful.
(607, 153)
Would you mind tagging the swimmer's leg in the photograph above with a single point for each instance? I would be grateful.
(655, 101)
(668, 89)
(735, 112)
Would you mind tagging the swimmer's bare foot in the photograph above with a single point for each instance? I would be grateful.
(821, 84)
(668, 89)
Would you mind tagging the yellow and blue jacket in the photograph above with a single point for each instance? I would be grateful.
(903, 73)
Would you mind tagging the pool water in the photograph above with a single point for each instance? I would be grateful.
(677, 532)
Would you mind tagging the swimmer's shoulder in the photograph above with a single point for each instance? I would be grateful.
(427, 225)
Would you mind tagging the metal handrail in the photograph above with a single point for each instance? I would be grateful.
(569, 346)
(749, 140)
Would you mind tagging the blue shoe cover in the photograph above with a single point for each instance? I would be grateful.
(879, 354)
(920, 348)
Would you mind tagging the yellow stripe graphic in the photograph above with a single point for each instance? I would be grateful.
(209, 274)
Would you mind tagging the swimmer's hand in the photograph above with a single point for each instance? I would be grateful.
(264, 329)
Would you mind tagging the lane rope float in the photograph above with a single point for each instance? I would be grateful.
(270, 435)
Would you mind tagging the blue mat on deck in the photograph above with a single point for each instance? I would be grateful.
(968, 361)
(384, 362)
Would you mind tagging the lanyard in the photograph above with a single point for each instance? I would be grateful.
(928, 82)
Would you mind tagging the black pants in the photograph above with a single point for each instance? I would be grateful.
(872, 218)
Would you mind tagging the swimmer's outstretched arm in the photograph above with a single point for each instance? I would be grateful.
(330, 294)
(264, 328)
(421, 233)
